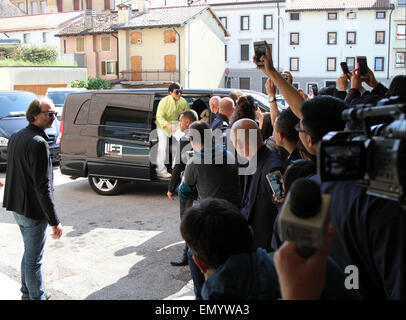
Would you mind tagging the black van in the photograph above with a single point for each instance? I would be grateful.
(106, 133)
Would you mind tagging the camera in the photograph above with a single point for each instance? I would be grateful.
(373, 157)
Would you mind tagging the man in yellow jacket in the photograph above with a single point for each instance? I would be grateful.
(167, 116)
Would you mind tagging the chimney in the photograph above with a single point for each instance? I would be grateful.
(124, 13)
(140, 5)
(90, 16)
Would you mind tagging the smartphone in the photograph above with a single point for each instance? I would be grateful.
(344, 67)
(362, 65)
(315, 90)
(274, 179)
(260, 50)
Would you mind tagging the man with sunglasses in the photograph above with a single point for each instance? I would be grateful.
(167, 115)
(29, 193)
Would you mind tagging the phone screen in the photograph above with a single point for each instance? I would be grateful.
(362, 65)
(259, 48)
(275, 182)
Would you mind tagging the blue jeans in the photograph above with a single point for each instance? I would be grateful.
(34, 235)
(197, 276)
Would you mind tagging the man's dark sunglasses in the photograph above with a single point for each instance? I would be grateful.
(177, 92)
(50, 113)
(297, 128)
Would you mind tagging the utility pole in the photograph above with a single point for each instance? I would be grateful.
(189, 3)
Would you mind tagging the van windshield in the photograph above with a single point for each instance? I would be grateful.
(14, 103)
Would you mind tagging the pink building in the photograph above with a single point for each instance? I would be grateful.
(93, 43)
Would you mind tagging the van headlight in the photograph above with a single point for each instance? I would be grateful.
(3, 142)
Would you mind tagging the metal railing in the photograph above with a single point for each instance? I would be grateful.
(149, 75)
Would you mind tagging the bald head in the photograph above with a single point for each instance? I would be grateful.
(226, 106)
(214, 104)
(246, 137)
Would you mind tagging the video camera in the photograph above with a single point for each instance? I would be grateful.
(374, 157)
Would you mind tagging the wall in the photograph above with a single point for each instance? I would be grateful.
(397, 45)
(94, 55)
(12, 76)
(207, 62)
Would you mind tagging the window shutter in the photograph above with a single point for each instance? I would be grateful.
(169, 36)
(103, 68)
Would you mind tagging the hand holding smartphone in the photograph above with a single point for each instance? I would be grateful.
(260, 50)
(362, 67)
(274, 179)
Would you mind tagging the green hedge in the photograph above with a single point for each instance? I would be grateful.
(36, 54)
(91, 83)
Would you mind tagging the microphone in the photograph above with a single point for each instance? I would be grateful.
(305, 216)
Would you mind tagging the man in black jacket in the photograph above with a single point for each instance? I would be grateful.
(186, 118)
(29, 193)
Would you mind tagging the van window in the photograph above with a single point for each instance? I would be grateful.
(83, 113)
(123, 118)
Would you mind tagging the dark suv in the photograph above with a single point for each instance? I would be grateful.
(13, 105)
(106, 134)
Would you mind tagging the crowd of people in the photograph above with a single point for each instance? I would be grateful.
(232, 242)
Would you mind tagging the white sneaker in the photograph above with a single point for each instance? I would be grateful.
(163, 174)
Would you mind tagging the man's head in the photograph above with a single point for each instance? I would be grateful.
(41, 112)
(214, 230)
(321, 115)
(284, 128)
(186, 118)
(226, 107)
(175, 90)
(214, 104)
(246, 137)
(200, 134)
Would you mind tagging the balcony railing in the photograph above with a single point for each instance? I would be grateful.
(149, 75)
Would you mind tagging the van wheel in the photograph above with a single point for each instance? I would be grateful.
(106, 186)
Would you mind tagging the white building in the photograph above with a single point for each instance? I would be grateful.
(398, 38)
(37, 29)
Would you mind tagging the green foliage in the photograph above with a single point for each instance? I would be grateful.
(13, 63)
(35, 53)
(91, 83)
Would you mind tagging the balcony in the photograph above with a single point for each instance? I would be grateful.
(147, 76)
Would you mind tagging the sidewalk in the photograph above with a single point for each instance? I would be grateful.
(10, 290)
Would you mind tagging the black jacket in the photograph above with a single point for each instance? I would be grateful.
(29, 176)
(257, 204)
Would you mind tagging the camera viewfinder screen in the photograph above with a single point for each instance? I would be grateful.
(343, 162)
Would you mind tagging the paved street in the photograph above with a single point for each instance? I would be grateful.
(115, 247)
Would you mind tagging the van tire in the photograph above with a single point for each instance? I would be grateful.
(106, 186)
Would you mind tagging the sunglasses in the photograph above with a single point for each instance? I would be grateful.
(50, 113)
(177, 92)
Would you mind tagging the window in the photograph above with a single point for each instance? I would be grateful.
(380, 14)
(169, 36)
(21, 6)
(401, 32)
(401, 2)
(380, 37)
(244, 52)
(331, 37)
(331, 64)
(109, 68)
(245, 83)
(105, 43)
(80, 44)
(136, 37)
(26, 38)
(45, 37)
(245, 23)
(294, 38)
(43, 6)
(351, 15)
(330, 84)
(225, 52)
(400, 59)
(64, 46)
(223, 21)
(351, 37)
(379, 63)
(332, 16)
(34, 7)
(310, 87)
(294, 64)
(294, 16)
(267, 22)
(350, 63)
